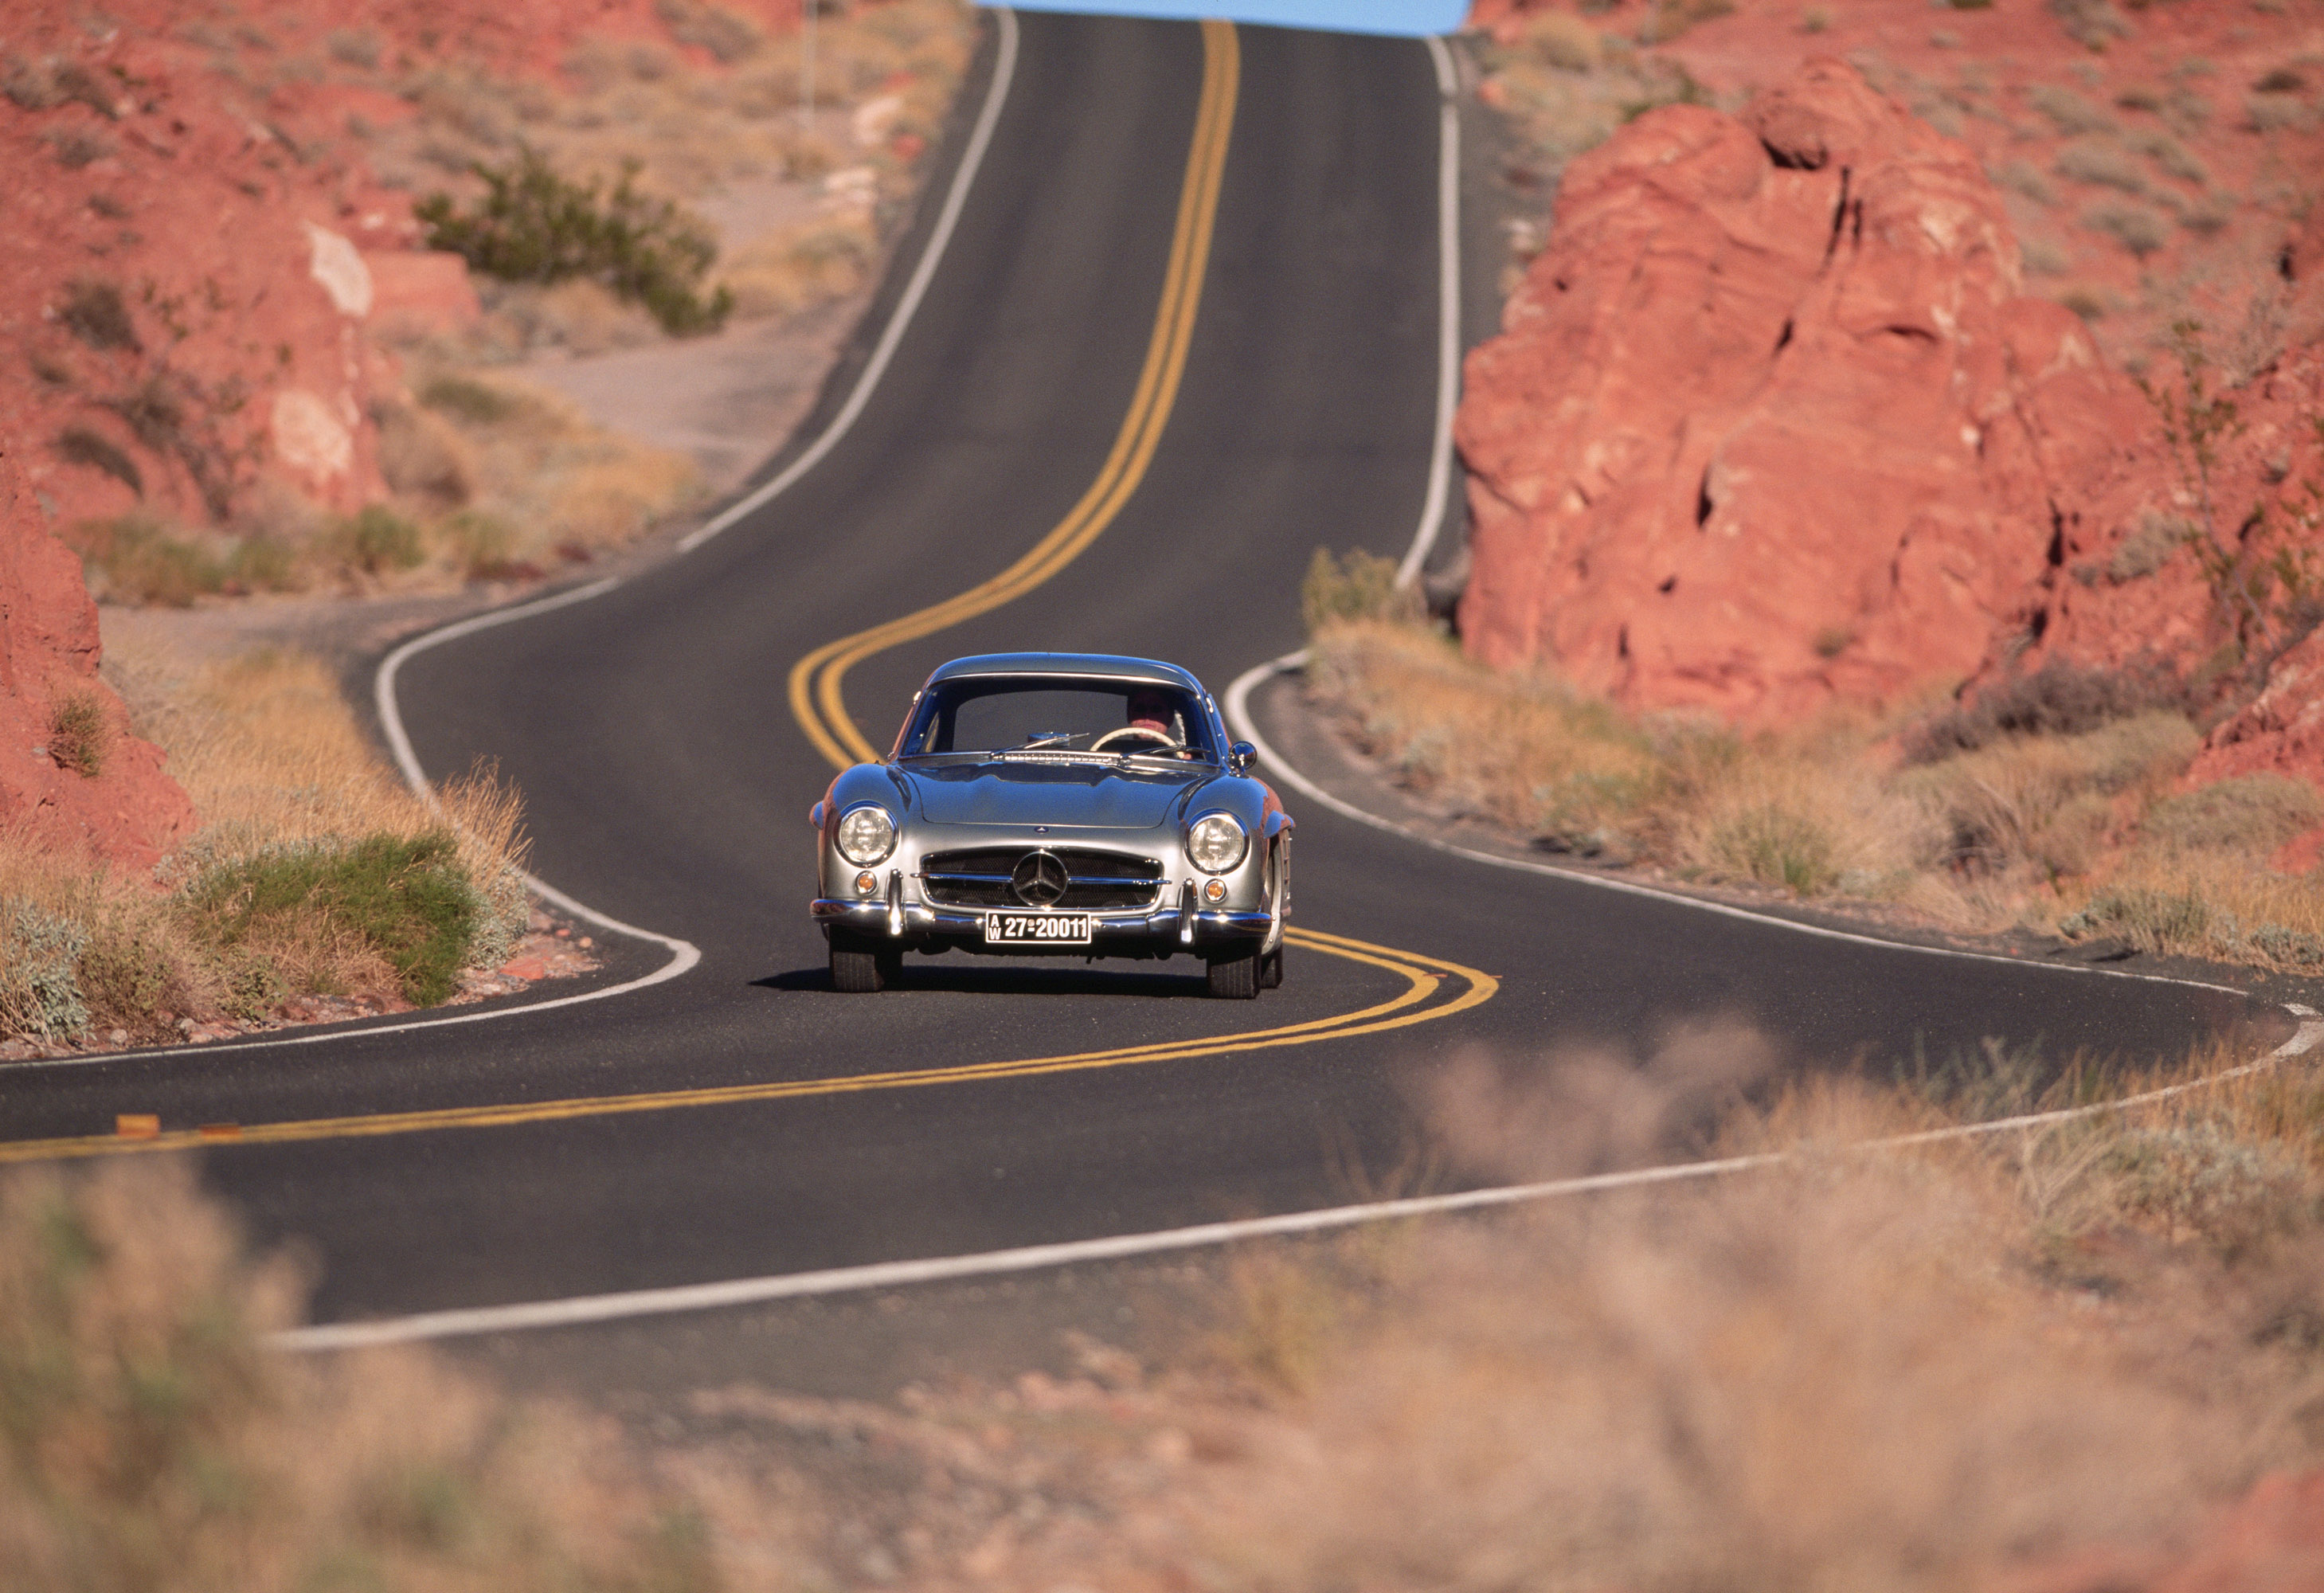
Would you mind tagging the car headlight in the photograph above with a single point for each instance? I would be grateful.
(866, 835)
(1216, 844)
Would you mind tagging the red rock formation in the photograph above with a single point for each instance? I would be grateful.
(1770, 425)
(130, 811)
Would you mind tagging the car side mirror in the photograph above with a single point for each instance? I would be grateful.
(1240, 757)
(815, 816)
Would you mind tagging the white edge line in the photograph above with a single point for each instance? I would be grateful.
(1004, 68)
(1447, 312)
(684, 955)
(586, 1309)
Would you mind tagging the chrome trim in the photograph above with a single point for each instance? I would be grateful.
(895, 902)
(1170, 924)
(1186, 915)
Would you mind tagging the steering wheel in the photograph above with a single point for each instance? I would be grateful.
(1144, 732)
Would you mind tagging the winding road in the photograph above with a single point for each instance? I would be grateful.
(1183, 328)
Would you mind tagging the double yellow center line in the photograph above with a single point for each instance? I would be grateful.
(1432, 986)
(817, 679)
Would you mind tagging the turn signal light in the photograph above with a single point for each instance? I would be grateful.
(1215, 891)
(866, 882)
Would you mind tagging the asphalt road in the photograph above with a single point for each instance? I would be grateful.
(669, 782)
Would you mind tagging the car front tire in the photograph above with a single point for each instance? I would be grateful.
(1235, 976)
(1270, 970)
(861, 968)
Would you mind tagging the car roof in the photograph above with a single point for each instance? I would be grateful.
(1092, 666)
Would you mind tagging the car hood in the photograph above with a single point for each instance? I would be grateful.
(1064, 796)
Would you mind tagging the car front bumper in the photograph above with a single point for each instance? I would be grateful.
(1145, 933)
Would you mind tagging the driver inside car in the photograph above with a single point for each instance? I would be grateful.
(1152, 710)
(1158, 711)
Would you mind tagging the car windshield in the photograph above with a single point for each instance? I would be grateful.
(1008, 714)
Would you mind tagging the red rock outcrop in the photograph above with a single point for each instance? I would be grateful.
(194, 262)
(1771, 424)
(130, 810)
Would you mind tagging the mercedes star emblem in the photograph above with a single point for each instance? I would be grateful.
(1040, 879)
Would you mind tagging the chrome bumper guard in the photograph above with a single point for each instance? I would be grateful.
(1179, 923)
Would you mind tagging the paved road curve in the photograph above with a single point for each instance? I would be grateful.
(740, 1119)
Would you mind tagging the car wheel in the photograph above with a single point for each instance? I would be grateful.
(1236, 975)
(1270, 970)
(858, 970)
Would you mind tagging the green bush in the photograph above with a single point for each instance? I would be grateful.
(533, 225)
(464, 397)
(409, 898)
(260, 564)
(136, 558)
(1361, 586)
(379, 541)
(39, 995)
(1777, 845)
(79, 736)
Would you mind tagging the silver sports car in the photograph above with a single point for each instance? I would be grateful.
(1057, 804)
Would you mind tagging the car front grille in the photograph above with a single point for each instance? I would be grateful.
(979, 878)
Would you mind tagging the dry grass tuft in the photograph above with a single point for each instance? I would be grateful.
(347, 884)
(2049, 804)
(153, 1441)
(2040, 1359)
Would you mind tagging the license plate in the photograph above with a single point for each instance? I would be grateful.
(1049, 929)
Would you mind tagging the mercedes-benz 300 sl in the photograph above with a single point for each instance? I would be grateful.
(1048, 805)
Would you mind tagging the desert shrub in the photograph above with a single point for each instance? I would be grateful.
(80, 738)
(2255, 813)
(2089, 303)
(40, 997)
(130, 975)
(464, 397)
(379, 541)
(138, 559)
(788, 271)
(2149, 546)
(1360, 586)
(1671, 18)
(2043, 801)
(2280, 80)
(1561, 39)
(2069, 111)
(2134, 226)
(1777, 844)
(78, 445)
(95, 312)
(2150, 919)
(2025, 178)
(354, 47)
(727, 35)
(2173, 157)
(481, 546)
(155, 1440)
(2101, 162)
(2060, 698)
(407, 899)
(2091, 24)
(2043, 257)
(2203, 1180)
(258, 563)
(420, 456)
(534, 226)
(2276, 113)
